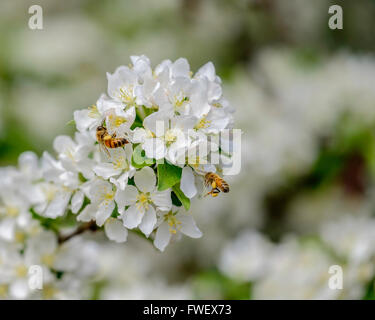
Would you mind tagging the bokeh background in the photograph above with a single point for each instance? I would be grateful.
(305, 100)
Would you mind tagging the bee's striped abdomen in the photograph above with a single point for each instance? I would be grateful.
(224, 186)
(115, 142)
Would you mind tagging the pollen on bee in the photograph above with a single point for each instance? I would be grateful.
(213, 184)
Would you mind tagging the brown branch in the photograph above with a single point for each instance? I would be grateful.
(81, 229)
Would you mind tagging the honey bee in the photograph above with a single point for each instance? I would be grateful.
(108, 141)
(217, 183)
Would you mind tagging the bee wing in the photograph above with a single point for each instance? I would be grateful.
(104, 149)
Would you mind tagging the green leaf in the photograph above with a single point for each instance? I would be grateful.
(168, 176)
(139, 159)
(180, 195)
(137, 122)
(175, 200)
(71, 122)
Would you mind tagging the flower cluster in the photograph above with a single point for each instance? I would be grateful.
(169, 122)
(25, 242)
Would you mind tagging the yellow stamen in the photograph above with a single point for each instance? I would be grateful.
(170, 137)
(49, 292)
(173, 223)
(126, 95)
(19, 237)
(3, 290)
(93, 111)
(143, 201)
(21, 271)
(120, 162)
(180, 102)
(117, 120)
(48, 259)
(203, 124)
(12, 211)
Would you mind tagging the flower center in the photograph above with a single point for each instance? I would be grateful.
(94, 112)
(49, 292)
(170, 137)
(180, 101)
(194, 162)
(69, 153)
(143, 201)
(49, 192)
(48, 259)
(120, 163)
(117, 121)
(19, 237)
(108, 197)
(12, 211)
(150, 134)
(3, 290)
(173, 223)
(126, 95)
(21, 271)
(203, 124)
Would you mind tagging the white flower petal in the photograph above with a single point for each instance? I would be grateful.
(139, 135)
(19, 289)
(187, 184)
(162, 237)
(104, 212)
(115, 230)
(162, 199)
(63, 143)
(207, 70)
(145, 179)
(132, 217)
(106, 170)
(181, 68)
(7, 229)
(120, 182)
(82, 120)
(128, 197)
(58, 205)
(88, 213)
(77, 201)
(188, 226)
(121, 200)
(154, 148)
(148, 221)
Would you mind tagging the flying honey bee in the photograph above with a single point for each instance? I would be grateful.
(217, 183)
(108, 141)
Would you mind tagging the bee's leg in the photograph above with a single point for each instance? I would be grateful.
(214, 192)
(114, 135)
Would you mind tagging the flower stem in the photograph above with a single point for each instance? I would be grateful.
(81, 229)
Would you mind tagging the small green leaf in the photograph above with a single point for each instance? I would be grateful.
(70, 122)
(139, 160)
(180, 195)
(175, 200)
(137, 122)
(168, 175)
